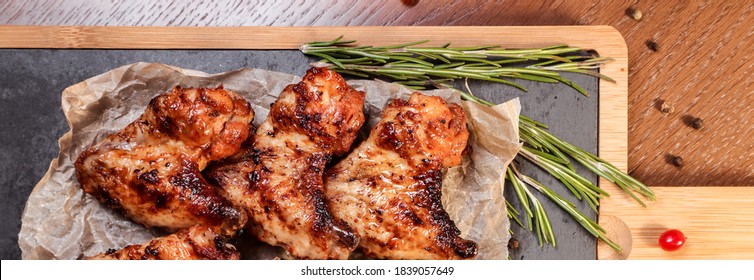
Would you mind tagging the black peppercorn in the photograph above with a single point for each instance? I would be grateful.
(696, 123)
(513, 244)
(410, 3)
(652, 45)
(692, 121)
(677, 161)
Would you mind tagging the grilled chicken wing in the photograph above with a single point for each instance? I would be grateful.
(195, 243)
(278, 180)
(150, 170)
(388, 189)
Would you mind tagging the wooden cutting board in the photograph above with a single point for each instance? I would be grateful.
(715, 219)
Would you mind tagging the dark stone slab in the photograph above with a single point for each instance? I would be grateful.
(31, 120)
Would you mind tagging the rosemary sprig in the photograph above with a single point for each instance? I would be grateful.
(534, 209)
(546, 151)
(519, 180)
(407, 63)
(435, 67)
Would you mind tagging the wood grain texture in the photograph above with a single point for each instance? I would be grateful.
(703, 66)
(716, 221)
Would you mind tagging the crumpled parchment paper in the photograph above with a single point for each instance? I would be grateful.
(60, 221)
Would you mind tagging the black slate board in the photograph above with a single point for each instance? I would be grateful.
(31, 122)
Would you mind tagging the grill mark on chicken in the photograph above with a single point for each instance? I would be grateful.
(279, 178)
(195, 243)
(150, 170)
(430, 182)
(389, 188)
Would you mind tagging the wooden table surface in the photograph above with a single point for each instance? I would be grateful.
(702, 66)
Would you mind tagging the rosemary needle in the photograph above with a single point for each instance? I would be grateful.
(419, 67)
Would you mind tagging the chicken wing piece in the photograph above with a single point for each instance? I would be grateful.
(389, 188)
(150, 170)
(278, 180)
(195, 243)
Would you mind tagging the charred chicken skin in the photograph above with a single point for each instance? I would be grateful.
(150, 170)
(278, 179)
(389, 188)
(195, 243)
